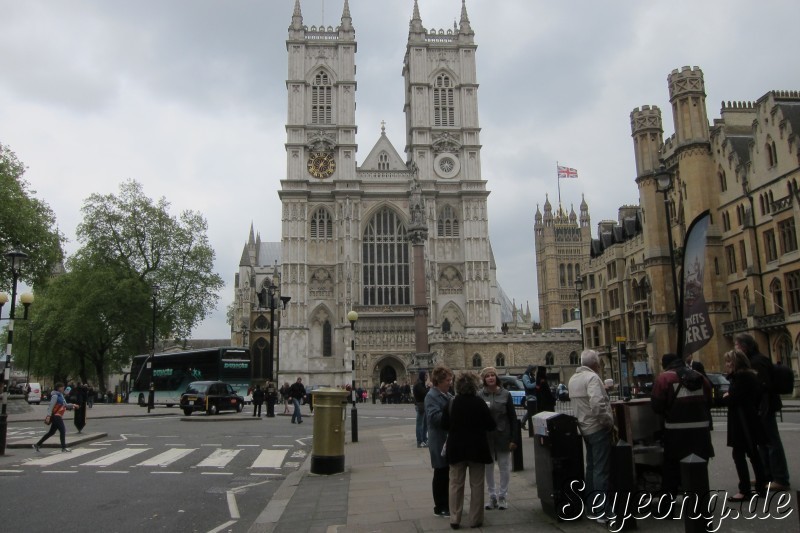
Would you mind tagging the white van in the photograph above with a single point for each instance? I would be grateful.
(35, 395)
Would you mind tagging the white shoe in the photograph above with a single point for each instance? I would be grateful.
(492, 503)
(502, 504)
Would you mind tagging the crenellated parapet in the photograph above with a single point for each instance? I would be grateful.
(686, 81)
(647, 132)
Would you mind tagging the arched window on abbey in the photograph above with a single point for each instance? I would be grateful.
(446, 325)
(327, 339)
(573, 358)
(476, 361)
(771, 153)
(321, 225)
(444, 107)
(500, 360)
(447, 225)
(723, 181)
(383, 161)
(549, 359)
(321, 99)
(386, 270)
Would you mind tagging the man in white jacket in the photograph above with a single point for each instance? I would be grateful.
(593, 409)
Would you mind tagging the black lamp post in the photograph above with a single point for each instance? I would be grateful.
(30, 354)
(271, 303)
(151, 397)
(16, 258)
(352, 316)
(664, 185)
(579, 288)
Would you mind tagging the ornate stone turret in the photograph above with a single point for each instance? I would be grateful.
(296, 27)
(346, 26)
(687, 94)
(464, 28)
(585, 220)
(648, 136)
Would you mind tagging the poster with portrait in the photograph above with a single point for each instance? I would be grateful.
(696, 329)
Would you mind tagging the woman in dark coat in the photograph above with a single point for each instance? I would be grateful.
(436, 405)
(744, 425)
(468, 421)
(545, 401)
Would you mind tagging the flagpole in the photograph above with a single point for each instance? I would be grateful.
(558, 179)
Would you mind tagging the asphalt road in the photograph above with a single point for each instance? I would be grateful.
(160, 473)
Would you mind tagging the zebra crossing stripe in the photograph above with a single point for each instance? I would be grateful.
(116, 457)
(59, 457)
(168, 457)
(219, 459)
(269, 459)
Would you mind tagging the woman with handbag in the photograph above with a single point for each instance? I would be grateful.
(58, 406)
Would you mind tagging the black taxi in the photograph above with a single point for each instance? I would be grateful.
(210, 397)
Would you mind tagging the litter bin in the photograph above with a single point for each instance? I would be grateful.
(327, 452)
(558, 459)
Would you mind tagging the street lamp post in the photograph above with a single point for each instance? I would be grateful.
(664, 185)
(271, 294)
(579, 288)
(151, 397)
(16, 258)
(352, 316)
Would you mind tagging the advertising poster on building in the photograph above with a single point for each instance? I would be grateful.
(695, 324)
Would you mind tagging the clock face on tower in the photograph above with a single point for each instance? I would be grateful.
(321, 165)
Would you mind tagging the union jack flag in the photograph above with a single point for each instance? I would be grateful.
(566, 172)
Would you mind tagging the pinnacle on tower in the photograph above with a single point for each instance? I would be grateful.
(347, 21)
(415, 26)
(297, 17)
(465, 28)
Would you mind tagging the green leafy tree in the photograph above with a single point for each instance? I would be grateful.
(26, 223)
(131, 233)
(88, 322)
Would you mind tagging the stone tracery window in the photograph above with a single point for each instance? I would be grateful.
(321, 225)
(321, 99)
(383, 161)
(444, 108)
(447, 225)
(385, 254)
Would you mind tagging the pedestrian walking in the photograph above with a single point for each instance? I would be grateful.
(258, 401)
(58, 406)
(501, 442)
(745, 431)
(297, 392)
(284, 391)
(272, 398)
(436, 402)
(468, 422)
(593, 411)
(773, 457)
(420, 390)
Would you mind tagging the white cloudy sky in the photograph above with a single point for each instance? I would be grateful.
(188, 97)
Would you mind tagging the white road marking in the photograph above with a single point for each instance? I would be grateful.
(11, 471)
(168, 457)
(269, 459)
(219, 459)
(164, 472)
(59, 471)
(120, 455)
(232, 507)
(113, 472)
(216, 473)
(222, 526)
(59, 457)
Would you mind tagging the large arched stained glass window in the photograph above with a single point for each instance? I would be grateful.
(386, 261)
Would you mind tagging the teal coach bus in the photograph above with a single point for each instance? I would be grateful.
(173, 371)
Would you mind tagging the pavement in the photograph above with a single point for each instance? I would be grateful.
(386, 487)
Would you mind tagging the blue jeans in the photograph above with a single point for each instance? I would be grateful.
(296, 413)
(598, 468)
(773, 458)
(422, 427)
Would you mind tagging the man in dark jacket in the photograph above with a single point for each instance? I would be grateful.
(297, 392)
(772, 455)
(258, 401)
(420, 390)
(682, 396)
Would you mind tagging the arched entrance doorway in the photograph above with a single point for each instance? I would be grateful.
(388, 374)
(390, 369)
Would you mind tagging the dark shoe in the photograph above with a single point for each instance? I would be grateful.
(455, 526)
(774, 486)
(477, 525)
(299, 421)
(738, 497)
(293, 422)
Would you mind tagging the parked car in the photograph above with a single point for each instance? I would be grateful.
(35, 393)
(514, 385)
(719, 386)
(210, 397)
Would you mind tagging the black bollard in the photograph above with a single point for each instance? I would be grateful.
(694, 480)
(516, 455)
(532, 408)
(151, 398)
(622, 485)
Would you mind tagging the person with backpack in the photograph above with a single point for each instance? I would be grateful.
(772, 455)
(682, 396)
(58, 406)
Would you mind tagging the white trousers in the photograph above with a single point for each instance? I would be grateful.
(504, 464)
